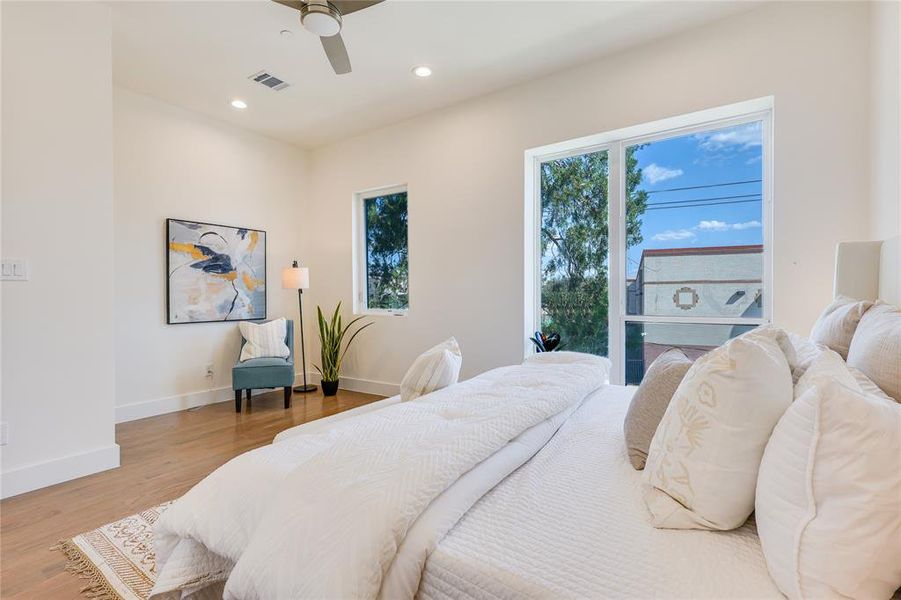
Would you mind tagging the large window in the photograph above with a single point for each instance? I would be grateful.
(652, 237)
(382, 271)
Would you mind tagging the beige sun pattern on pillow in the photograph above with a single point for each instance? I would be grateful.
(703, 461)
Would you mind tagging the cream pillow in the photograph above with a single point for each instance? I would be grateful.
(432, 370)
(828, 366)
(828, 505)
(703, 461)
(264, 340)
(876, 348)
(650, 401)
(800, 352)
(836, 325)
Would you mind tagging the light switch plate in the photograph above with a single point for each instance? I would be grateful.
(14, 269)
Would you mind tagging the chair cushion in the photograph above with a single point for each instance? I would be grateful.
(262, 362)
(260, 373)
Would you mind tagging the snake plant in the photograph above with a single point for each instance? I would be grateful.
(331, 336)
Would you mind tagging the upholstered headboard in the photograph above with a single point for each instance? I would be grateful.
(869, 270)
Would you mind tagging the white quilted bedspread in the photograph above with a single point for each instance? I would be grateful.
(571, 523)
(323, 515)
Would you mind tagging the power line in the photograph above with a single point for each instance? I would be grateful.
(701, 187)
(703, 205)
(704, 199)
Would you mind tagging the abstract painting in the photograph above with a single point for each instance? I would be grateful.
(215, 272)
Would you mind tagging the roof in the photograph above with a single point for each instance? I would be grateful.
(749, 249)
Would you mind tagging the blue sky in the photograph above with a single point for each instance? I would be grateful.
(719, 156)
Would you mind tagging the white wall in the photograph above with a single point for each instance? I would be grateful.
(464, 167)
(57, 213)
(885, 125)
(170, 162)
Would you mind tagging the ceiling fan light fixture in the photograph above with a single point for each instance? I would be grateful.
(321, 19)
(422, 71)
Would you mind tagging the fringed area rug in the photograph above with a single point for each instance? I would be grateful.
(117, 559)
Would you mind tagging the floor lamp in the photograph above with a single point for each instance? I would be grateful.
(298, 278)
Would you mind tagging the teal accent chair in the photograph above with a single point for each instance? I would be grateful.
(259, 373)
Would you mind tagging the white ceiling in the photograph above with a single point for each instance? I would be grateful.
(199, 54)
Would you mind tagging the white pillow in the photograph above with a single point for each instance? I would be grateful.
(837, 324)
(800, 352)
(703, 461)
(432, 370)
(827, 366)
(828, 506)
(266, 340)
(876, 348)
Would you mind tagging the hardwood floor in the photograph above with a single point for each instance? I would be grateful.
(162, 457)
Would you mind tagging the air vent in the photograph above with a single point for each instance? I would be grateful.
(269, 80)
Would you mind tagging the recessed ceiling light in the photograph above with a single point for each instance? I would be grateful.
(422, 71)
(239, 104)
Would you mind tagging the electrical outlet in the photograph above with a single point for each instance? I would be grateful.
(4, 434)
(14, 269)
(209, 370)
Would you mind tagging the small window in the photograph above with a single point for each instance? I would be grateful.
(382, 271)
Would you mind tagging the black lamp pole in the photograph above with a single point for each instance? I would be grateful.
(303, 389)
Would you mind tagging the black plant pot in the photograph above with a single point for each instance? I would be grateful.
(329, 388)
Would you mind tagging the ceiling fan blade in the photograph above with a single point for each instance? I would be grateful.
(345, 7)
(295, 4)
(337, 53)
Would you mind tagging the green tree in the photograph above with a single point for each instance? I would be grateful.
(575, 243)
(386, 251)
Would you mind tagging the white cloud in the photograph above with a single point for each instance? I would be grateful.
(713, 226)
(722, 226)
(746, 225)
(742, 136)
(674, 234)
(654, 173)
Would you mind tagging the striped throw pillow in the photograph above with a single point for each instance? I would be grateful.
(432, 370)
(266, 340)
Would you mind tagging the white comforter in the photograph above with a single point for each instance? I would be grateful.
(338, 514)
(572, 523)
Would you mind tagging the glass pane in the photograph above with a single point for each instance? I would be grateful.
(574, 247)
(694, 225)
(386, 252)
(647, 341)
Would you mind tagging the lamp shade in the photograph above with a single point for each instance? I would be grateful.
(296, 278)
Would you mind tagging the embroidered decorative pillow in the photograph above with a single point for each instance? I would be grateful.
(432, 370)
(264, 340)
(650, 401)
(828, 505)
(703, 461)
(837, 324)
(876, 348)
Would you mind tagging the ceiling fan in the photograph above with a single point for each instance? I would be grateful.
(323, 18)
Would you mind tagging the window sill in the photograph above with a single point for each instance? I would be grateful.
(381, 313)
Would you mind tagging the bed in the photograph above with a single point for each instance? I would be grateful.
(553, 509)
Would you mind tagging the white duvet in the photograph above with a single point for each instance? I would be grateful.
(572, 523)
(354, 511)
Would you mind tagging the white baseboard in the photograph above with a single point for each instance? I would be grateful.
(58, 470)
(161, 406)
(366, 386)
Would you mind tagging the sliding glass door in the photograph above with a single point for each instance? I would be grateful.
(651, 239)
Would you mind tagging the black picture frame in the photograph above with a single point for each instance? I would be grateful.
(167, 231)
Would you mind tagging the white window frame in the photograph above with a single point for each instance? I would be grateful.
(615, 143)
(360, 300)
